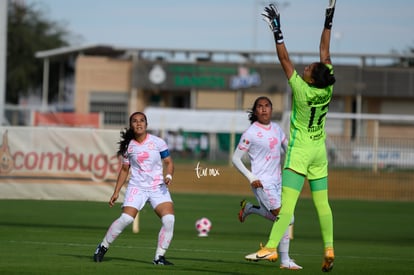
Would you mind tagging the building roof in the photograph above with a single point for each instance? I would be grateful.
(200, 55)
(105, 50)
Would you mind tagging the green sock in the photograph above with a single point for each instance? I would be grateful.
(320, 200)
(292, 184)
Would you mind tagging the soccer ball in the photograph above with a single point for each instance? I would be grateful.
(203, 226)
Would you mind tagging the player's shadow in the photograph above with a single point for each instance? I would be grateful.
(175, 267)
(209, 268)
(106, 259)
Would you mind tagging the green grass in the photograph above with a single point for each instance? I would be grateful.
(59, 237)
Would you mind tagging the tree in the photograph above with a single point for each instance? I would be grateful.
(30, 31)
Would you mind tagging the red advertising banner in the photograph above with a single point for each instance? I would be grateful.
(91, 120)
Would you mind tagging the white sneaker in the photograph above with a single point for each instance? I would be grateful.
(290, 265)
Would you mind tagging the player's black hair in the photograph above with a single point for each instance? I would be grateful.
(128, 134)
(322, 76)
(252, 111)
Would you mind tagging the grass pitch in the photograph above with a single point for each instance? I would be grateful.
(59, 237)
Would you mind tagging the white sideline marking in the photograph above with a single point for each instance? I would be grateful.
(93, 246)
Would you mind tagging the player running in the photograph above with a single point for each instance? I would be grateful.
(264, 141)
(306, 156)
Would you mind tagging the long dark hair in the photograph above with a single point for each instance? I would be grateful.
(322, 76)
(128, 134)
(252, 111)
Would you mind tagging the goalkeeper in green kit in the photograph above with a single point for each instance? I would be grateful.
(306, 155)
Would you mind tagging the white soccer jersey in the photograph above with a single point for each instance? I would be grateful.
(145, 162)
(264, 144)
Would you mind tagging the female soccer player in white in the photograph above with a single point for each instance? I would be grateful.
(264, 141)
(144, 154)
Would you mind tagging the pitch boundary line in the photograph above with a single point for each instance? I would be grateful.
(93, 246)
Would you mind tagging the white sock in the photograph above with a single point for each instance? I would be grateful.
(262, 212)
(159, 252)
(284, 248)
(165, 235)
(116, 228)
(284, 245)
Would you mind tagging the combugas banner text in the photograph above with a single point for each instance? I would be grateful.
(58, 163)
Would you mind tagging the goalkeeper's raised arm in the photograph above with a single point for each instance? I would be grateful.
(324, 45)
(271, 16)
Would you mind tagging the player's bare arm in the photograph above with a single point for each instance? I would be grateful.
(122, 176)
(272, 17)
(168, 162)
(325, 56)
(284, 60)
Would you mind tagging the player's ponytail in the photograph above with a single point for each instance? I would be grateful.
(126, 136)
(322, 76)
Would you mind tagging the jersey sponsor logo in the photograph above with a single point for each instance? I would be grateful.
(151, 146)
(318, 100)
(317, 136)
(315, 128)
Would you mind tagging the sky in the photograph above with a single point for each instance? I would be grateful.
(359, 26)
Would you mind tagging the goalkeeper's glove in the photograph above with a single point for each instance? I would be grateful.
(272, 17)
(329, 13)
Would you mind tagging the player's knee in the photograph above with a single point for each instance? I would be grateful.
(168, 221)
(125, 219)
(275, 212)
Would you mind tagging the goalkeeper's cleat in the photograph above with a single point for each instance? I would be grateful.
(264, 253)
(291, 265)
(251, 257)
(99, 253)
(161, 261)
(244, 211)
(328, 259)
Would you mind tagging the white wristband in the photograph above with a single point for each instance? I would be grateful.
(168, 176)
(252, 178)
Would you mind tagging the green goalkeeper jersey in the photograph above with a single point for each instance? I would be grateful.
(309, 109)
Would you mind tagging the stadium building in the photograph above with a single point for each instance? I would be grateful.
(117, 81)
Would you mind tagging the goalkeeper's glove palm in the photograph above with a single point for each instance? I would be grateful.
(329, 13)
(272, 17)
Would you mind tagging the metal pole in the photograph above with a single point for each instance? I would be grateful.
(3, 56)
(358, 112)
(375, 147)
(45, 91)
